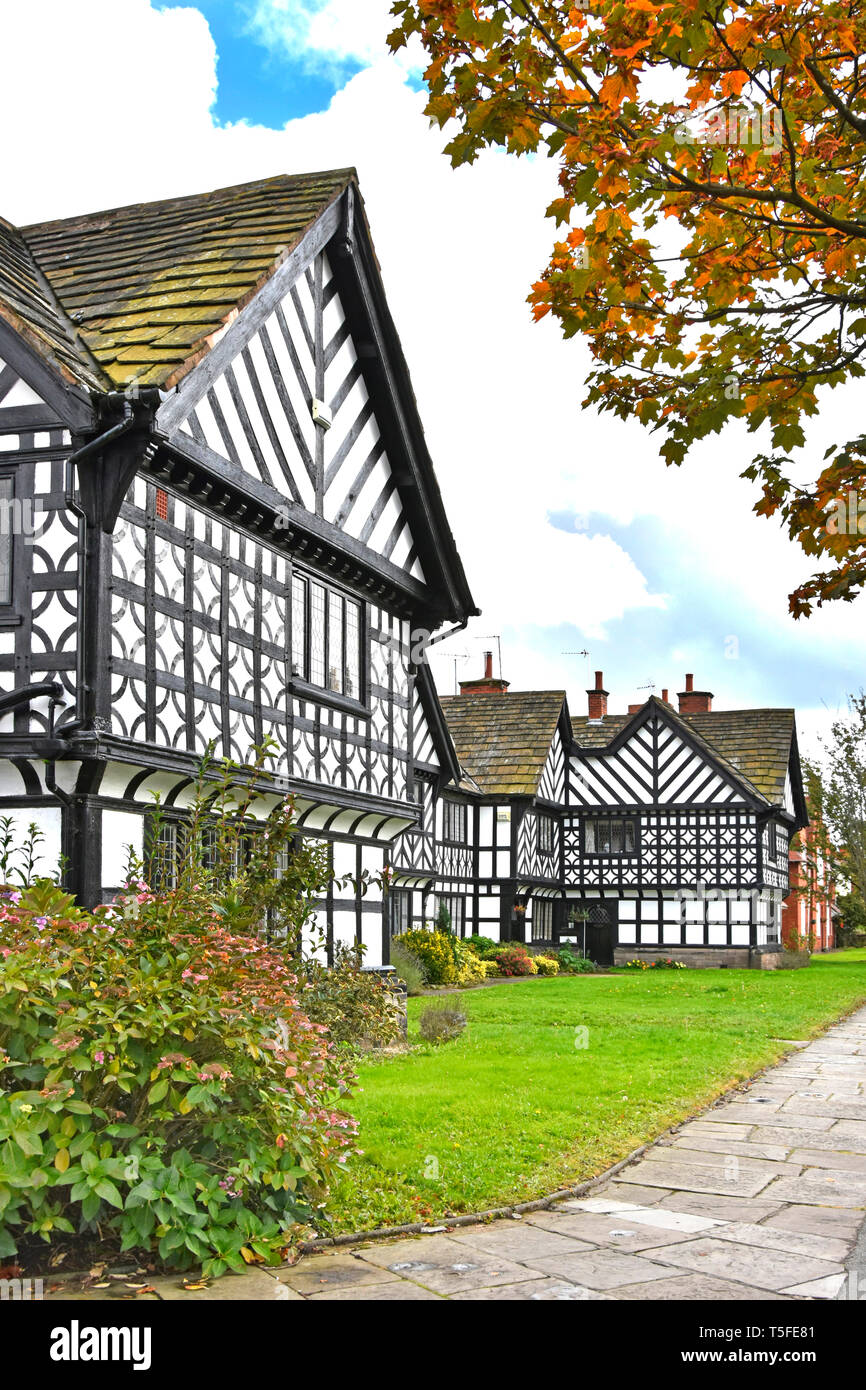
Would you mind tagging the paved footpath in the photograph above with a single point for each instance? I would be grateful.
(760, 1197)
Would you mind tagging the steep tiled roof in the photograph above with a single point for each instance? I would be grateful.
(754, 743)
(502, 741)
(146, 287)
(28, 305)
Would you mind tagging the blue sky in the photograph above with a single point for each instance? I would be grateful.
(255, 83)
(573, 534)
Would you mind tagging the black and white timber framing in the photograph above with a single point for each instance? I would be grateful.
(248, 552)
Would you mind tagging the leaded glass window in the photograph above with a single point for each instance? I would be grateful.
(7, 494)
(317, 635)
(454, 821)
(299, 626)
(545, 834)
(542, 919)
(326, 638)
(401, 911)
(610, 835)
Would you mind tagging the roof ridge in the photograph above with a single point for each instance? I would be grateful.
(350, 172)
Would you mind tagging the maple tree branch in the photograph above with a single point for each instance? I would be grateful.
(835, 101)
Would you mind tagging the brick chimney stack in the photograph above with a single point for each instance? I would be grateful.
(665, 699)
(598, 698)
(694, 701)
(488, 684)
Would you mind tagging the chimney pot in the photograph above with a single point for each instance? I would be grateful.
(488, 684)
(665, 695)
(598, 698)
(693, 701)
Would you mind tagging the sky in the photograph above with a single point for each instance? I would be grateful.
(582, 549)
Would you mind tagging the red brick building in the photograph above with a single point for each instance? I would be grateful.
(809, 913)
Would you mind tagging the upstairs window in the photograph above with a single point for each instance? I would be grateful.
(454, 822)
(7, 530)
(610, 835)
(326, 638)
(545, 834)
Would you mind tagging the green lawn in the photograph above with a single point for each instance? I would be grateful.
(514, 1108)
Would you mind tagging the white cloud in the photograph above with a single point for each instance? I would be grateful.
(499, 396)
(327, 34)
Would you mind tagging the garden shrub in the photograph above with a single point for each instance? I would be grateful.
(546, 965)
(572, 964)
(409, 967)
(666, 964)
(170, 1065)
(441, 1022)
(483, 946)
(357, 1006)
(160, 1082)
(514, 959)
(445, 958)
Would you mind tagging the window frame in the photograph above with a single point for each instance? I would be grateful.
(596, 853)
(449, 805)
(301, 680)
(9, 534)
(401, 921)
(547, 823)
(458, 918)
(543, 907)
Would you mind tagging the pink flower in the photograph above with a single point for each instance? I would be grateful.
(99, 1056)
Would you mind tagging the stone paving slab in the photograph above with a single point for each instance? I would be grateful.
(694, 1288)
(539, 1291)
(745, 1264)
(692, 1177)
(832, 1222)
(706, 1158)
(601, 1269)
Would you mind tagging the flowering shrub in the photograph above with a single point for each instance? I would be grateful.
(546, 965)
(666, 964)
(445, 958)
(159, 1081)
(514, 959)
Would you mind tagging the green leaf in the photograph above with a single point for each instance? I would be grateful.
(107, 1190)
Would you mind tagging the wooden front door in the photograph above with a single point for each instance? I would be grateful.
(598, 932)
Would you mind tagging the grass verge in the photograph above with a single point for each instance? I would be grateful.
(520, 1106)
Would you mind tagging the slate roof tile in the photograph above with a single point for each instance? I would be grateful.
(502, 740)
(83, 290)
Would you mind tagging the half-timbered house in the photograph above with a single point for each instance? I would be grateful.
(221, 524)
(654, 832)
